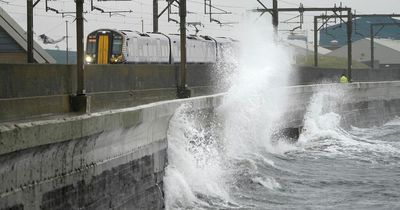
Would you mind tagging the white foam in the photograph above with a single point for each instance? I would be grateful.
(194, 163)
(322, 131)
(255, 102)
(394, 122)
(267, 182)
(249, 113)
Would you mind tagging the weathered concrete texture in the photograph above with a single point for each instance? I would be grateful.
(30, 80)
(115, 100)
(34, 90)
(133, 185)
(106, 160)
(25, 108)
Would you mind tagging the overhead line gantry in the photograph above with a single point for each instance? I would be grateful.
(301, 9)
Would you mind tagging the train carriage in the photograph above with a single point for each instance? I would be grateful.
(106, 46)
(147, 48)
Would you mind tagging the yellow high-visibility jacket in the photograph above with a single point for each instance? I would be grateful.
(343, 79)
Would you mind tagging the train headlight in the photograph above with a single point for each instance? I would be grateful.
(116, 59)
(88, 59)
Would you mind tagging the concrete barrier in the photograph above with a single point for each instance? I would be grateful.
(35, 90)
(361, 104)
(106, 160)
(315, 75)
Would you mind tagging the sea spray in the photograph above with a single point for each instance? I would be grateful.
(323, 131)
(209, 164)
(195, 162)
(255, 103)
(321, 118)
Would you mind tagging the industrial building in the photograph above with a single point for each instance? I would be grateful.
(386, 52)
(335, 36)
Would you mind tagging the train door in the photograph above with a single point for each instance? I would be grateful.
(103, 49)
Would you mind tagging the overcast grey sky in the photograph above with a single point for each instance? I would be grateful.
(53, 25)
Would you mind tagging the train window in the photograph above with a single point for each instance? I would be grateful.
(91, 45)
(117, 45)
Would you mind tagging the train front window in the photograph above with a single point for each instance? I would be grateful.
(91, 49)
(117, 45)
(91, 45)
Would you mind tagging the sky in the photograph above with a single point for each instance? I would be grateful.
(54, 25)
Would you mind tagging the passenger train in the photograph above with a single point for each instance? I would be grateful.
(105, 46)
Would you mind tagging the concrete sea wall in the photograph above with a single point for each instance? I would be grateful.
(115, 159)
(106, 160)
(359, 104)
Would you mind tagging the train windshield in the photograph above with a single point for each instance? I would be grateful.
(91, 45)
(117, 45)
